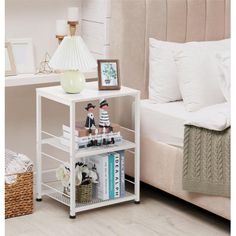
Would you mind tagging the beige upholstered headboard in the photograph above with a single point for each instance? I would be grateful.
(134, 21)
(188, 20)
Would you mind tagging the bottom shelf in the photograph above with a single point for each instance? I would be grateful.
(95, 203)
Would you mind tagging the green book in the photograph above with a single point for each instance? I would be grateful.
(111, 159)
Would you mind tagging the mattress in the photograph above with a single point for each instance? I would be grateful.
(164, 122)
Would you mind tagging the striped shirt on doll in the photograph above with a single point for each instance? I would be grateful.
(104, 120)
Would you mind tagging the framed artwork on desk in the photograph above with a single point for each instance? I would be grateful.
(24, 55)
(108, 75)
(10, 67)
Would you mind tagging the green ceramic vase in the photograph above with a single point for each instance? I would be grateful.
(73, 81)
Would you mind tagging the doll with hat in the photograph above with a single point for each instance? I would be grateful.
(104, 117)
(90, 121)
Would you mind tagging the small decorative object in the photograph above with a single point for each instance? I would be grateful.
(23, 54)
(73, 17)
(44, 65)
(61, 30)
(63, 174)
(84, 178)
(73, 57)
(10, 67)
(104, 121)
(90, 121)
(108, 74)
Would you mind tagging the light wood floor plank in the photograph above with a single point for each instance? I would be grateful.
(158, 214)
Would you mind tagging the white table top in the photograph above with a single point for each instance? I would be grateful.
(90, 93)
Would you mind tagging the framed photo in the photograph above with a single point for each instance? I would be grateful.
(10, 67)
(108, 75)
(23, 53)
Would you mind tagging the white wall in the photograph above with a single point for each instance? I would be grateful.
(36, 19)
(96, 15)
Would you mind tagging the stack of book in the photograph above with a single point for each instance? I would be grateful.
(83, 139)
(111, 175)
(65, 139)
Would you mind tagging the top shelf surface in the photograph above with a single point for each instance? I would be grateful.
(91, 92)
(30, 79)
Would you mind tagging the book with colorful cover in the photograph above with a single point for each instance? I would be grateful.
(122, 173)
(111, 159)
(116, 175)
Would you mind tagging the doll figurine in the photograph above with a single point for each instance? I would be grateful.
(90, 121)
(104, 117)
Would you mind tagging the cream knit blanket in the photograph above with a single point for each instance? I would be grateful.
(206, 163)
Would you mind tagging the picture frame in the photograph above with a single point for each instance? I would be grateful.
(108, 74)
(24, 55)
(10, 67)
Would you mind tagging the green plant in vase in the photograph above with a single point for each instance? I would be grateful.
(109, 72)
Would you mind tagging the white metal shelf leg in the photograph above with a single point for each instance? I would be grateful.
(137, 149)
(72, 161)
(39, 147)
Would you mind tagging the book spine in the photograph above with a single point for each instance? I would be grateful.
(66, 135)
(106, 180)
(66, 142)
(122, 173)
(117, 175)
(111, 175)
(67, 129)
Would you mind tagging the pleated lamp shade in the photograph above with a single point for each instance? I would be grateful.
(73, 54)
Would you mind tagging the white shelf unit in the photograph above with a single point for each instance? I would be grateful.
(91, 93)
(30, 79)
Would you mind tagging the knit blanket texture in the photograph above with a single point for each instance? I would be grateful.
(206, 161)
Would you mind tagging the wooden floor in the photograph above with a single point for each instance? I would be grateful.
(157, 214)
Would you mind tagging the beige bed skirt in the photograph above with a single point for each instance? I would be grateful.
(161, 167)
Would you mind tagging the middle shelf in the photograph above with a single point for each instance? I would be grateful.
(85, 152)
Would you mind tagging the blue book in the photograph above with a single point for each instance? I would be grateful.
(122, 173)
(111, 175)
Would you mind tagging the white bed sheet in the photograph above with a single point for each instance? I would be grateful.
(164, 122)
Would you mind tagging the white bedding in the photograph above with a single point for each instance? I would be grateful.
(165, 122)
(215, 117)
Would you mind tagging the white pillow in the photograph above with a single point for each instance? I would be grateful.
(198, 76)
(163, 80)
(163, 84)
(224, 78)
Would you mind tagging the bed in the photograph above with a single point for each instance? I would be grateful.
(162, 144)
(162, 136)
(165, 155)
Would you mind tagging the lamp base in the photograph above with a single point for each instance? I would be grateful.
(73, 81)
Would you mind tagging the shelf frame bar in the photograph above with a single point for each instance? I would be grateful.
(54, 189)
(49, 134)
(137, 148)
(105, 203)
(39, 145)
(52, 157)
(72, 160)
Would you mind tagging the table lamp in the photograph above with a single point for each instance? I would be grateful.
(73, 57)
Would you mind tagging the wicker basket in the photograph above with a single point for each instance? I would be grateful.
(84, 192)
(19, 195)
